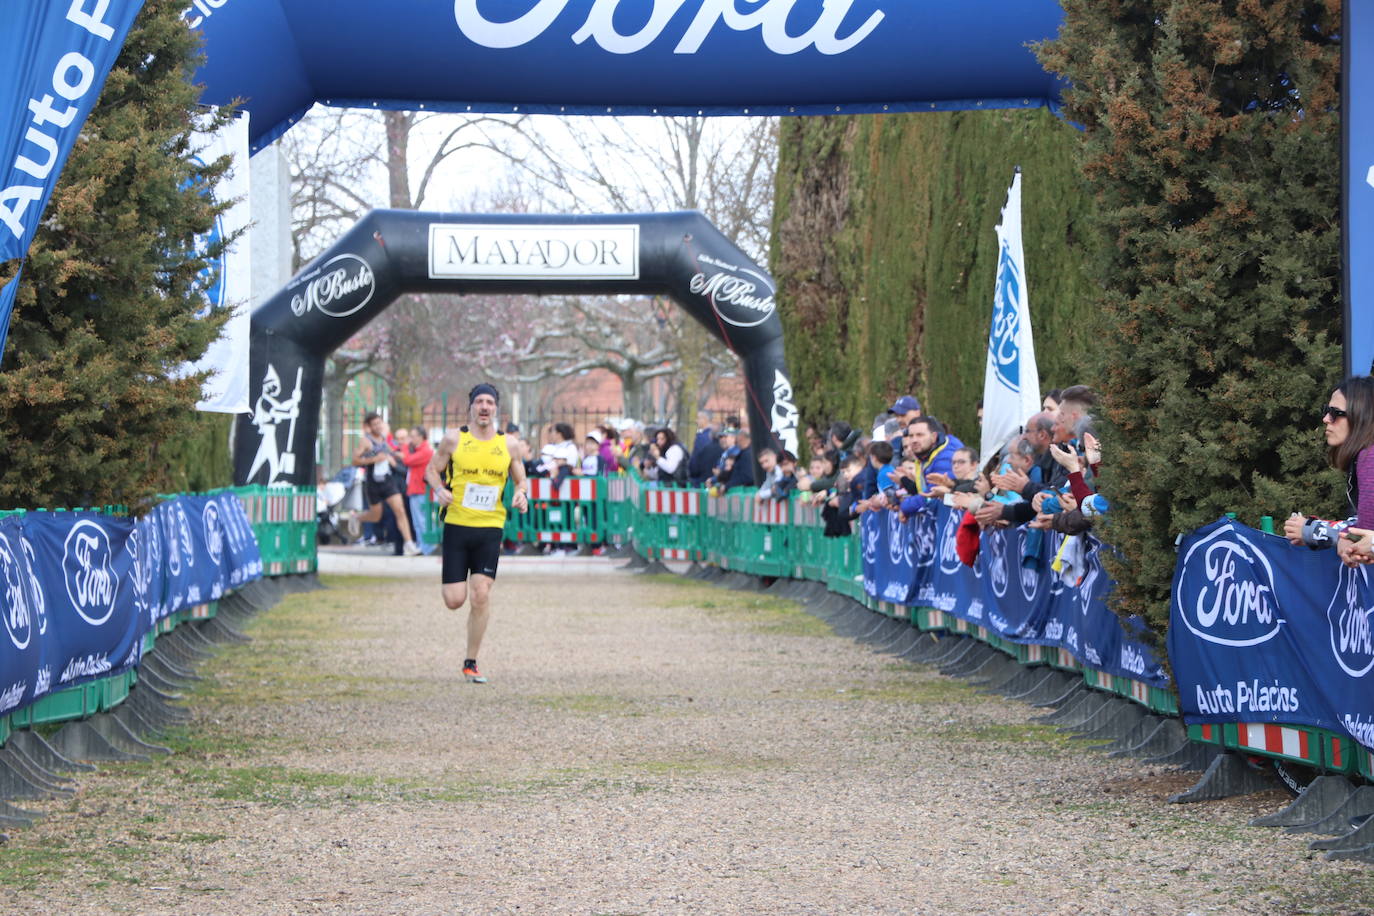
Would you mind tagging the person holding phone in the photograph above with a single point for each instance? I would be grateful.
(1348, 422)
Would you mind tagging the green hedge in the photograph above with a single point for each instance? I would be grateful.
(884, 252)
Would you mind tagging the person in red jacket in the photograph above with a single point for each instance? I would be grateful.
(416, 457)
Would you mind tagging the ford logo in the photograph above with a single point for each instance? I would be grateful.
(870, 535)
(18, 621)
(898, 540)
(1225, 590)
(86, 565)
(214, 531)
(1030, 576)
(923, 533)
(1348, 619)
(949, 548)
(996, 546)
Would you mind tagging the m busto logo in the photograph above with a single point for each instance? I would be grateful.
(740, 296)
(337, 288)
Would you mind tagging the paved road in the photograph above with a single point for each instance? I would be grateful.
(647, 745)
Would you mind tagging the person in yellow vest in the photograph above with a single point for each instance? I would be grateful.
(468, 474)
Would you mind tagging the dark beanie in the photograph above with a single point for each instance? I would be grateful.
(483, 388)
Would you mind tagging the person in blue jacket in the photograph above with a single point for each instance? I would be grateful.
(932, 450)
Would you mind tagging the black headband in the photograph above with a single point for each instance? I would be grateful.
(483, 388)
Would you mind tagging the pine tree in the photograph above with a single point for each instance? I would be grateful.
(89, 393)
(1212, 146)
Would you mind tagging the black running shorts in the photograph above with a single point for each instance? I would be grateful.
(378, 490)
(470, 550)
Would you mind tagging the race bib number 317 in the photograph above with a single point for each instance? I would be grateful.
(480, 497)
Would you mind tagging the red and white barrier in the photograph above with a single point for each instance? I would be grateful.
(279, 507)
(303, 507)
(558, 537)
(572, 489)
(1275, 739)
(770, 512)
(672, 502)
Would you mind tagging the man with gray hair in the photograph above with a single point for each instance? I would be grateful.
(1039, 434)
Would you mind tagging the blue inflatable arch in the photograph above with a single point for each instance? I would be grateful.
(627, 57)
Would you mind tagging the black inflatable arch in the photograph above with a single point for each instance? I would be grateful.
(393, 252)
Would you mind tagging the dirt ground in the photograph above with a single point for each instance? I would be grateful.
(646, 745)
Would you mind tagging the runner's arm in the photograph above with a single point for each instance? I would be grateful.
(434, 474)
(520, 501)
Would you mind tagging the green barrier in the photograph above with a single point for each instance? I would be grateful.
(283, 521)
(735, 531)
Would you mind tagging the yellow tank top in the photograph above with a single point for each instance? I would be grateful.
(476, 474)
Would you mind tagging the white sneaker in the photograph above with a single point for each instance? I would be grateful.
(411, 549)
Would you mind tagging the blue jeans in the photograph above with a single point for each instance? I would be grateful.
(419, 518)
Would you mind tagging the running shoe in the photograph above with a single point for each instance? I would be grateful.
(411, 549)
(472, 674)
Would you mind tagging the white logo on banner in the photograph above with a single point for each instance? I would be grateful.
(1030, 576)
(1092, 566)
(140, 547)
(771, 19)
(37, 602)
(214, 531)
(169, 539)
(1348, 619)
(1235, 603)
(91, 582)
(870, 535)
(739, 295)
(337, 288)
(784, 412)
(1369, 177)
(924, 538)
(188, 548)
(269, 415)
(499, 251)
(997, 563)
(949, 545)
(18, 620)
(898, 540)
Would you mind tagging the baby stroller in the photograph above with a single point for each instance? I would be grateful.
(338, 502)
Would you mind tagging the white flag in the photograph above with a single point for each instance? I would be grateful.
(226, 390)
(1011, 383)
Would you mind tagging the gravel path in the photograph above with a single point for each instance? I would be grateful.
(647, 745)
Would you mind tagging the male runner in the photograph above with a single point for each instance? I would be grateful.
(468, 474)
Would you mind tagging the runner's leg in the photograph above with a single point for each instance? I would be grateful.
(398, 507)
(455, 593)
(480, 612)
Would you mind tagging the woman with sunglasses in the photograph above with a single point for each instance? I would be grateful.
(1349, 424)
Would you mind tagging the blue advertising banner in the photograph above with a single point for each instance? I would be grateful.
(627, 57)
(1357, 125)
(1010, 589)
(1263, 631)
(54, 57)
(79, 590)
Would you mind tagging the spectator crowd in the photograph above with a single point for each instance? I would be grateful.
(1044, 477)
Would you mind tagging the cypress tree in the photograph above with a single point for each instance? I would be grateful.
(90, 394)
(885, 256)
(1211, 145)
